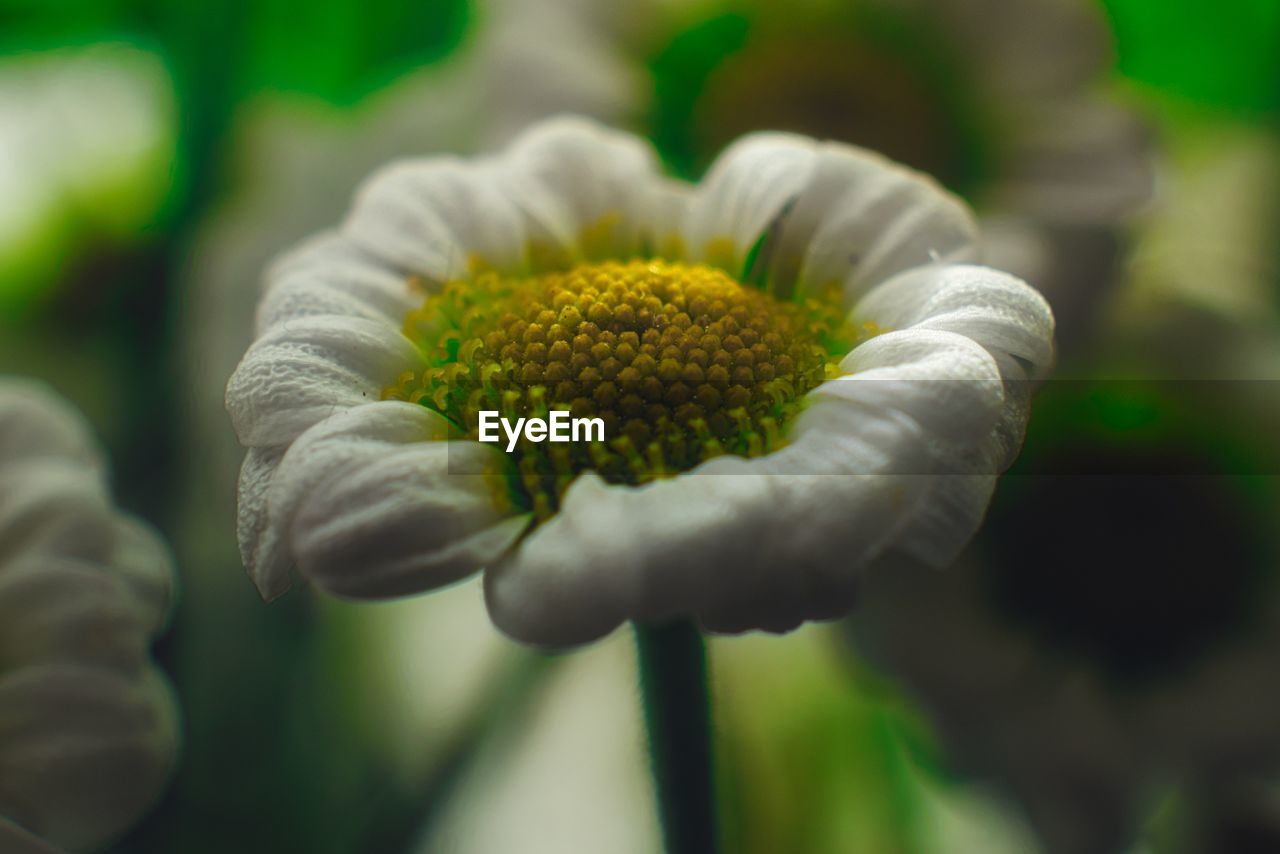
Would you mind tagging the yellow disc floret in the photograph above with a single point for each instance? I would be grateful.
(679, 361)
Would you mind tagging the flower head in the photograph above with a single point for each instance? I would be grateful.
(999, 99)
(88, 726)
(785, 358)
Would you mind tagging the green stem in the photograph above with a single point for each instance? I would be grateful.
(673, 674)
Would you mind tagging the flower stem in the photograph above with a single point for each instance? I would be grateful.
(673, 674)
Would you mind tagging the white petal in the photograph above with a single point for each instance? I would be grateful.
(262, 548)
(92, 748)
(746, 190)
(738, 549)
(142, 560)
(434, 217)
(944, 381)
(671, 203)
(57, 609)
(305, 370)
(1003, 314)
(329, 275)
(376, 504)
(952, 388)
(950, 515)
(36, 422)
(1014, 324)
(862, 218)
(53, 506)
(586, 190)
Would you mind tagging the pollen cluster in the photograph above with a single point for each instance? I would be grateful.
(681, 362)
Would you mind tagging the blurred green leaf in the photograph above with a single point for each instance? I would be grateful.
(1224, 54)
(342, 50)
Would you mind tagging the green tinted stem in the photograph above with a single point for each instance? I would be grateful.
(673, 674)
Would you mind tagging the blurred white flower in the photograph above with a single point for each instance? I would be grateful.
(889, 384)
(1117, 625)
(88, 726)
(87, 145)
(1001, 100)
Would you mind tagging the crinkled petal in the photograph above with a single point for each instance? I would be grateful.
(962, 413)
(83, 750)
(262, 548)
(764, 543)
(374, 503)
(436, 217)
(942, 380)
(1007, 317)
(1003, 314)
(302, 371)
(329, 275)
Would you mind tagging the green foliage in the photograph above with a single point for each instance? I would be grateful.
(679, 72)
(1224, 54)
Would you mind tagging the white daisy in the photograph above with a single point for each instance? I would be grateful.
(764, 441)
(88, 728)
(1001, 100)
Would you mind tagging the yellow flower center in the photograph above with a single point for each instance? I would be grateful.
(679, 361)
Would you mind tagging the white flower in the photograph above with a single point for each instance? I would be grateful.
(373, 496)
(88, 727)
(999, 99)
(87, 139)
(1116, 626)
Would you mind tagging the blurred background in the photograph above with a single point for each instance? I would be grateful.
(1099, 671)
